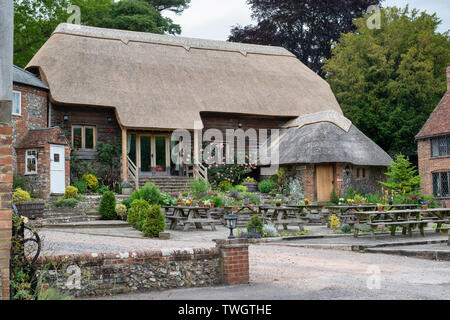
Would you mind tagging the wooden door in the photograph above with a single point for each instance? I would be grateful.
(324, 181)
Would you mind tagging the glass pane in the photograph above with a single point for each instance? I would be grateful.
(77, 137)
(448, 145)
(444, 184)
(145, 154)
(435, 147)
(132, 147)
(31, 162)
(442, 146)
(436, 191)
(16, 103)
(160, 152)
(89, 138)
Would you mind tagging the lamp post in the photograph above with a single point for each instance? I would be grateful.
(231, 224)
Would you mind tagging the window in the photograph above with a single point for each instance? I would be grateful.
(441, 184)
(31, 162)
(17, 103)
(83, 137)
(440, 146)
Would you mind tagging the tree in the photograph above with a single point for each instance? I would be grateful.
(389, 80)
(304, 27)
(176, 6)
(402, 176)
(35, 20)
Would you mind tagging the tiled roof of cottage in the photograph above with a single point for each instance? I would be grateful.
(37, 138)
(27, 78)
(439, 121)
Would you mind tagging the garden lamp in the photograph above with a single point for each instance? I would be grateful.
(231, 223)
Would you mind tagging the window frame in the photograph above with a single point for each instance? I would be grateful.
(26, 162)
(436, 147)
(83, 136)
(15, 92)
(439, 180)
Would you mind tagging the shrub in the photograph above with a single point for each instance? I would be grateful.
(139, 210)
(249, 180)
(91, 181)
(267, 186)
(269, 230)
(81, 185)
(107, 207)
(357, 199)
(121, 211)
(151, 193)
(154, 222)
(127, 203)
(255, 225)
(21, 195)
(225, 186)
(71, 193)
(253, 198)
(218, 201)
(101, 189)
(18, 182)
(334, 197)
(69, 203)
(346, 228)
(199, 186)
(239, 188)
(167, 200)
(334, 222)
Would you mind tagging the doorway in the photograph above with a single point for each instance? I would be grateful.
(153, 154)
(324, 182)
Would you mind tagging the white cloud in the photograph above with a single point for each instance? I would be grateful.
(213, 19)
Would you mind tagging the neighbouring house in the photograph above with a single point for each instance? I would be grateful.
(135, 89)
(40, 154)
(433, 147)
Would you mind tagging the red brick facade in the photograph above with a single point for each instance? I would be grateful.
(234, 261)
(437, 125)
(6, 178)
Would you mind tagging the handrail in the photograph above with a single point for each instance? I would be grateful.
(133, 172)
(198, 171)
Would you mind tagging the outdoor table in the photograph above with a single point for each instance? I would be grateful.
(228, 209)
(408, 219)
(193, 216)
(282, 216)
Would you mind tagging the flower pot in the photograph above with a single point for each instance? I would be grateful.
(212, 204)
(235, 208)
(180, 204)
(364, 202)
(31, 209)
(278, 204)
(251, 186)
(380, 209)
(127, 191)
(425, 207)
(201, 204)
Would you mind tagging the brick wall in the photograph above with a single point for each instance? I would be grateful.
(428, 165)
(234, 264)
(6, 178)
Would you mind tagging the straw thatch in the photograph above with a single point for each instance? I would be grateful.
(160, 81)
(325, 142)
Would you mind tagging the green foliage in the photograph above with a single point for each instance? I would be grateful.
(345, 228)
(255, 224)
(21, 195)
(67, 203)
(101, 189)
(249, 180)
(334, 197)
(81, 185)
(267, 186)
(389, 80)
(218, 201)
(71, 192)
(108, 155)
(239, 188)
(253, 198)
(233, 173)
(18, 182)
(107, 207)
(121, 211)
(52, 294)
(139, 210)
(154, 222)
(167, 200)
(402, 176)
(199, 186)
(91, 181)
(225, 186)
(151, 193)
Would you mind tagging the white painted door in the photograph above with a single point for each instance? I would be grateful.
(57, 169)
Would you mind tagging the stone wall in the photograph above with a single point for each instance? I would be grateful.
(6, 178)
(114, 273)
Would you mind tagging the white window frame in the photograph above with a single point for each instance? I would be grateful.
(20, 103)
(26, 161)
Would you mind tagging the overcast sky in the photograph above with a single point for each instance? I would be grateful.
(213, 19)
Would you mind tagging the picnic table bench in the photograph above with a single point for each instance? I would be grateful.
(189, 216)
(408, 219)
(281, 217)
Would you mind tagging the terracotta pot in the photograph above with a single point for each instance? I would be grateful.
(364, 202)
(201, 204)
(180, 204)
(425, 207)
(235, 208)
(212, 204)
(380, 209)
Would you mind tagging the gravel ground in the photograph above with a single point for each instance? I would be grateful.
(279, 272)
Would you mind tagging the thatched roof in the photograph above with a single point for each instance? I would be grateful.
(27, 78)
(161, 81)
(325, 142)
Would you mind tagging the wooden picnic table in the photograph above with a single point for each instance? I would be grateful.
(242, 213)
(407, 219)
(189, 216)
(281, 217)
(311, 210)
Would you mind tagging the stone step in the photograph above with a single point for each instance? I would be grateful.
(70, 219)
(97, 224)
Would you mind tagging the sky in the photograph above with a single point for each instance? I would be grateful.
(213, 19)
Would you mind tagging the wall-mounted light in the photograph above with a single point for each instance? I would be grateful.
(240, 124)
(347, 170)
(66, 117)
(109, 120)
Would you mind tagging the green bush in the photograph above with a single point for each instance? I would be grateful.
(121, 211)
(81, 185)
(167, 200)
(199, 186)
(253, 198)
(71, 193)
(239, 188)
(255, 225)
(101, 189)
(127, 203)
(69, 203)
(139, 210)
(225, 186)
(21, 195)
(267, 186)
(154, 223)
(151, 193)
(218, 201)
(91, 180)
(334, 197)
(346, 228)
(107, 207)
(18, 182)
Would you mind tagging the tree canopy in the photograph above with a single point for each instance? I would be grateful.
(389, 80)
(35, 20)
(304, 27)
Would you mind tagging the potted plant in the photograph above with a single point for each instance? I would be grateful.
(380, 207)
(207, 203)
(127, 188)
(425, 205)
(180, 202)
(306, 201)
(245, 201)
(390, 199)
(251, 184)
(188, 203)
(26, 207)
(201, 204)
(364, 200)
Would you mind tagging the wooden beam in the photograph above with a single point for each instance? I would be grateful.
(124, 155)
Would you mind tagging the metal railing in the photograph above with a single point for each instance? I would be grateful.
(133, 172)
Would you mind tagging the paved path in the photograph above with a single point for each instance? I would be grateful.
(279, 272)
